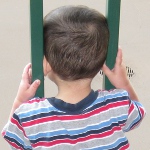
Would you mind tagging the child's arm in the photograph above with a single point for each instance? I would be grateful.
(26, 90)
(118, 76)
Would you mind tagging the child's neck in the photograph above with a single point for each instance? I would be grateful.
(73, 91)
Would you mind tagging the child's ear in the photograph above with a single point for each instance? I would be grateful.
(46, 67)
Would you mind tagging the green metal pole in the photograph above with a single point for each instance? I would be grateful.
(36, 19)
(113, 18)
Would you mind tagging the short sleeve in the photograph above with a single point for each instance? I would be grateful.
(15, 135)
(136, 113)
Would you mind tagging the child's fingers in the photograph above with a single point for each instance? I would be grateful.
(34, 86)
(25, 74)
(106, 71)
(30, 75)
(30, 72)
(119, 57)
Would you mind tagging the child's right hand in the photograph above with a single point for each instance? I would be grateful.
(27, 90)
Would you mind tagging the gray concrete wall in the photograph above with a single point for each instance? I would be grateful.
(15, 54)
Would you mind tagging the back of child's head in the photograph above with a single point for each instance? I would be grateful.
(75, 41)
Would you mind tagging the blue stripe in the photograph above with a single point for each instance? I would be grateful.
(111, 96)
(137, 103)
(116, 95)
(16, 138)
(80, 131)
(38, 111)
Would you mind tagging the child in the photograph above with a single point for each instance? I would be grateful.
(77, 118)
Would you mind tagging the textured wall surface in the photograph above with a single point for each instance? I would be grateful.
(15, 54)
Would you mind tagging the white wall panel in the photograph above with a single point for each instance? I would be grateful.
(15, 53)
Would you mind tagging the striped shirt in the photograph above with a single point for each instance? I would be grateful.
(97, 122)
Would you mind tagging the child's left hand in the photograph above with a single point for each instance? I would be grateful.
(117, 76)
(27, 90)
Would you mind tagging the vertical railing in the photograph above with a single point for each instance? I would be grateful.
(113, 18)
(36, 19)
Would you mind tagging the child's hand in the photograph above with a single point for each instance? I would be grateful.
(117, 76)
(27, 90)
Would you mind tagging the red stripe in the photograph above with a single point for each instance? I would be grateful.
(3, 133)
(124, 147)
(131, 108)
(142, 111)
(82, 139)
(122, 125)
(14, 121)
(35, 101)
(75, 117)
(14, 145)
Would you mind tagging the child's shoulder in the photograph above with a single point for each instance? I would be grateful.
(114, 98)
(113, 93)
(32, 105)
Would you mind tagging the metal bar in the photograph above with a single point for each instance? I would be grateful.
(36, 19)
(113, 18)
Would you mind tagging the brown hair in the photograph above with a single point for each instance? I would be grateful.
(75, 41)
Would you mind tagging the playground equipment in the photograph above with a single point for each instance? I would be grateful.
(36, 13)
